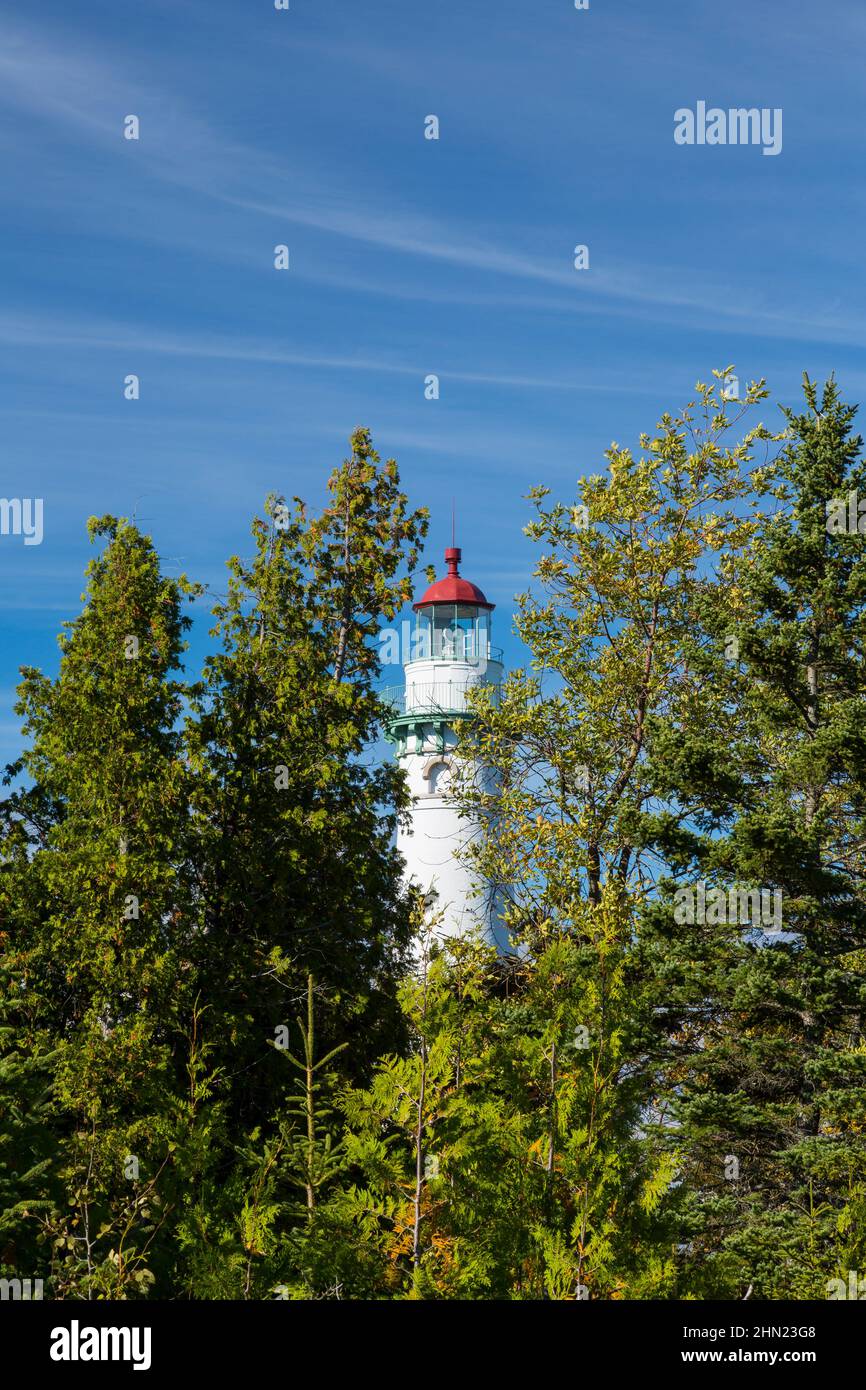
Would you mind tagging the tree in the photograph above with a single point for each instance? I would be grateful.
(293, 819)
(25, 1141)
(437, 1141)
(608, 629)
(764, 1006)
(97, 908)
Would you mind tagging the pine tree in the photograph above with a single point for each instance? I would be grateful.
(26, 1151)
(98, 911)
(764, 1026)
(438, 1142)
(293, 818)
(597, 1219)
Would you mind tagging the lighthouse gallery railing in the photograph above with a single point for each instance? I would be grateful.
(439, 697)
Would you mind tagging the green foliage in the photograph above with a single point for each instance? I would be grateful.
(165, 891)
(764, 1028)
(292, 827)
(236, 1063)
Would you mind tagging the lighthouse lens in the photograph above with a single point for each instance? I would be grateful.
(459, 633)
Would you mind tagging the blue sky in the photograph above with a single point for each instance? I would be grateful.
(408, 257)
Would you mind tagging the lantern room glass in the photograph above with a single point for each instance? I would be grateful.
(452, 631)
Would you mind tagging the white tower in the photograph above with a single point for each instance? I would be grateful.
(450, 652)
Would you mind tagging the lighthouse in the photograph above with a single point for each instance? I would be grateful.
(450, 653)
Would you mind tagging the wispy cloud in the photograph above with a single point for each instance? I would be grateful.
(22, 331)
(90, 91)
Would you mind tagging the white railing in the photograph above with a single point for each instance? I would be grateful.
(438, 697)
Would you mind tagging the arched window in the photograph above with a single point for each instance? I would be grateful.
(437, 775)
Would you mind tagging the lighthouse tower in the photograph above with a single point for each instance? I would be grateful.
(449, 653)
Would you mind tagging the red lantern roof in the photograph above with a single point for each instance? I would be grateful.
(453, 588)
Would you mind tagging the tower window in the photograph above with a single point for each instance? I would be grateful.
(437, 775)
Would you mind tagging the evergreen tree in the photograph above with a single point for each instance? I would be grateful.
(224, 1074)
(25, 1142)
(292, 817)
(764, 1007)
(438, 1144)
(98, 911)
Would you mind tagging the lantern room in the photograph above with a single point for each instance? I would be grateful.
(453, 618)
